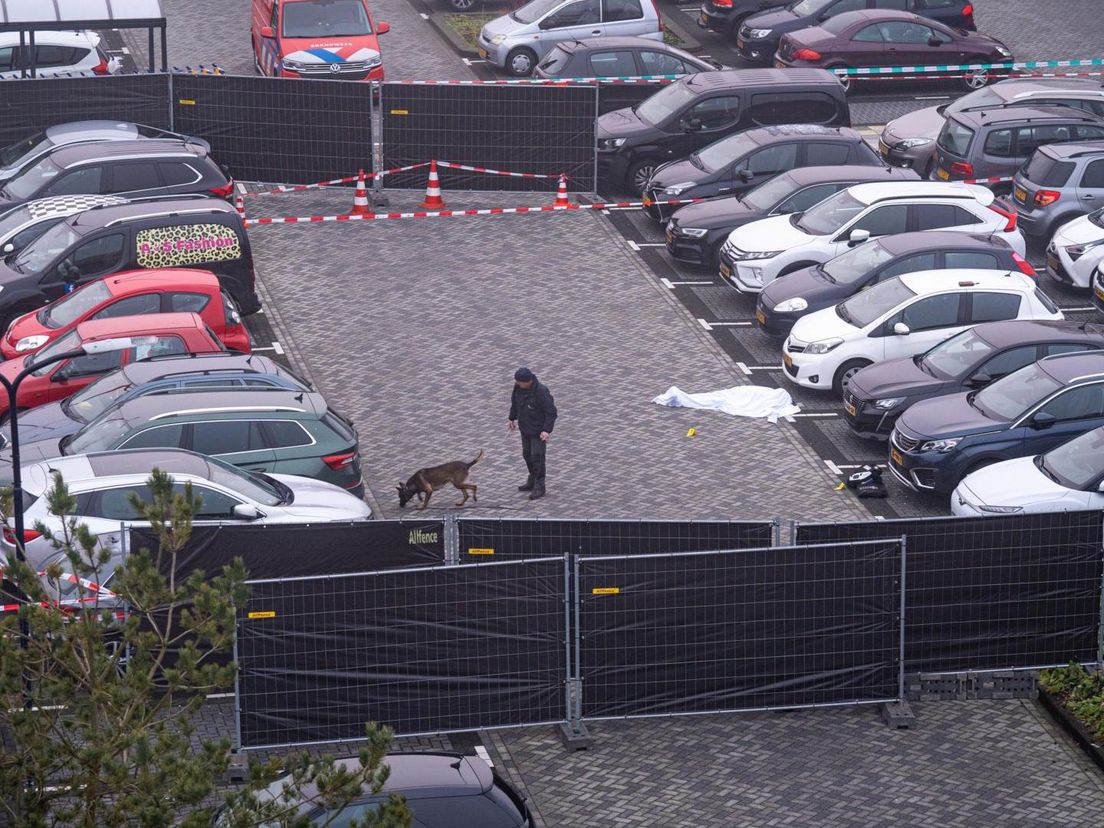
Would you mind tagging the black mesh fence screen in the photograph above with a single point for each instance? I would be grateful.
(422, 650)
(718, 631)
(546, 130)
(992, 593)
(29, 105)
(281, 130)
(498, 539)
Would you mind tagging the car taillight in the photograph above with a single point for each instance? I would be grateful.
(28, 535)
(723, 4)
(968, 10)
(963, 169)
(1045, 197)
(340, 461)
(100, 68)
(659, 17)
(1023, 264)
(1009, 214)
(806, 54)
(224, 191)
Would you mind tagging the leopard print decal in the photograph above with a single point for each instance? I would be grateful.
(187, 244)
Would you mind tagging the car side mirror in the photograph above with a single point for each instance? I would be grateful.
(693, 125)
(246, 511)
(934, 41)
(1100, 488)
(901, 329)
(59, 376)
(979, 379)
(744, 175)
(383, 27)
(857, 237)
(1043, 420)
(8, 248)
(266, 31)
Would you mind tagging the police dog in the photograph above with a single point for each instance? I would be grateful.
(425, 481)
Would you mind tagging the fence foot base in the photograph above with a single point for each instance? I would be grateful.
(378, 200)
(898, 714)
(239, 768)
(574, 736)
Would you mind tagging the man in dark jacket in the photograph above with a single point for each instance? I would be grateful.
(533, 413)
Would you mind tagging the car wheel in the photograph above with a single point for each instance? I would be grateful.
(462, 5)
(520, 62)
(639, 175)
(976, 78)
(844, 373)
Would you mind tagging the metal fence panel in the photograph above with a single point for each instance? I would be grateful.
(423, 650)
(993, 593)
(278, 129)
(526, 129)
(740, 630)
(511, 538)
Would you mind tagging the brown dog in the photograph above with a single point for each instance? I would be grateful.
(425, 481)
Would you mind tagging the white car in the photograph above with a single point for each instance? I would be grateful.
(1065, 479)
(56, 54)
(1076, 250)
(102, 484)
(757, 253)
(903, 317)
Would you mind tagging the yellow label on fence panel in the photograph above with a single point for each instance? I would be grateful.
(186, 102)
(400, 111)
(606, 591)
(474, 550)
(265, 614)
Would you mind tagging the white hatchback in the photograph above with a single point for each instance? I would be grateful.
(903, 317)
(1076, 250)
(56, 54)
(757, 253)
(1065, 479)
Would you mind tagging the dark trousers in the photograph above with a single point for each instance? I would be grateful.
(533, 450)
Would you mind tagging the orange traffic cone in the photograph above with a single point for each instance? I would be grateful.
(433, 200)
(360, 197)
(561, 193)
(239, 204)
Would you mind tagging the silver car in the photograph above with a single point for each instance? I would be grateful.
(909, 141)
(517, 41)
(1059, 183)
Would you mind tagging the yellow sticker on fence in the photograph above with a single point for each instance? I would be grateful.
(606, 591)
(475, 550)
(186, 102)
(400, 111)
(265, 614)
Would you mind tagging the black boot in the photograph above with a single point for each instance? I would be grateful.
(538, 490)
(527, 486)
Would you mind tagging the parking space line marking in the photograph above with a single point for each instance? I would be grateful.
(857, 465)
(1076, 310)
(724, 324)
(933, 97)
(481, 752)
(747, 369)
(424, 16)
(812, 413)
(832, 467)
(649, 244)
(275, 346)
(220, 695)
(704, 324)
(470, 61)
(633, 246)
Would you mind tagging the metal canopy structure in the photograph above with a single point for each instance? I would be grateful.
(29, 16)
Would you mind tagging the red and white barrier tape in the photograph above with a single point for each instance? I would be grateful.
(101, 592)
(491, 211)
(295, 188)
(453, 166)
(993, 179)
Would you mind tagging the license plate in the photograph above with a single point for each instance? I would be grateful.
(883, 149)
(726, 271)
(1099, 291)
(704, 21)
(850, 409)
(1052, 262)
(647, 202)
(670, 236)
(1020, 194)
(740, 43)
(760, 317)
(942, 173)
(779, 65)
(483, 54)
(896, 457)
(787, 359)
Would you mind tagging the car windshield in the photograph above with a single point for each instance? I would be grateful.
(10, 156)
(532, 12)
(1011, 396)
(326, 18)
(863, 308)
(830, 215)
(1078, 463)
(101, 434)
(92, 400)
(955, 138)
(809, 6)
(256, 487)
(32, 179)
(955, 356)
(70, 308)
(849, 267)
(721, 153)
(770, 192)
(555, 62)
(663, 104)
(978, 98)
(69, 342)
(40, 254)
(13, 220)
(1045, 171)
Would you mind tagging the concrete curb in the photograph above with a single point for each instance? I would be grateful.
(459, 45)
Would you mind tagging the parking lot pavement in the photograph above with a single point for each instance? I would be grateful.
(414, 328)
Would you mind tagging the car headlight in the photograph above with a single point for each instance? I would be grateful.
(908, 143)
(291, 65)
(758, 254)
(758, 34)
(29, 343)
(1076, 251)
(791, 305)
(692, 232)
(1003, 52)
(372, 63)
(610, 143)
(678, 189)
(1000, 510)
(888, 403)
(498, 39)
(823, 346)
(942, 446)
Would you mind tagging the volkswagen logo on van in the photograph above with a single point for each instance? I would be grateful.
(335, 68)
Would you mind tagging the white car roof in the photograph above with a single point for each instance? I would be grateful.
(882, 190)
(923, 282)
(91, 130)
(46, 38)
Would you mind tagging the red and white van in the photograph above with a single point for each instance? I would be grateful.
(335, 39)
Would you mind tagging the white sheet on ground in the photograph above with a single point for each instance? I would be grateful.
(740, 401)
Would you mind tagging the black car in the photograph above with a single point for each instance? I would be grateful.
(739, 162)
(696, 232)
(725, 16)
(938, 442)
(206, 233)
(695, 111)
(133, 169)
(599, 57)
(880, 393)
(757, 39)
(801, 292)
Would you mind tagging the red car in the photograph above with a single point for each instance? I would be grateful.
(172, 290)
(155, 334)
(333, 39)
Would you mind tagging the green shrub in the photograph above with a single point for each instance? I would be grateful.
(1081, 692)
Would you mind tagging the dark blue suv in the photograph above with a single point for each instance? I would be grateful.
(937, 442)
